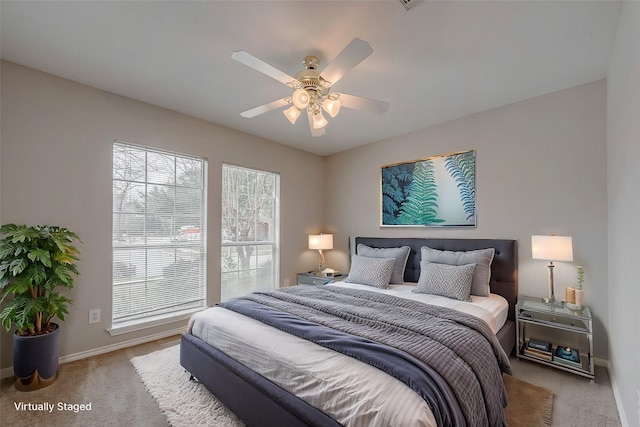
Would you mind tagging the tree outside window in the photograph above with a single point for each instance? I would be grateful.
(249, 231)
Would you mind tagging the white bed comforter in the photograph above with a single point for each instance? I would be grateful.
(350, 391)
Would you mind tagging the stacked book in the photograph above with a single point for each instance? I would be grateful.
(539, 349)
(568, 357)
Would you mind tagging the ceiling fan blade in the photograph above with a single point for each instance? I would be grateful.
(360, 103)
(314, 132)
(264, 108)
(353, 54)
(256, 63)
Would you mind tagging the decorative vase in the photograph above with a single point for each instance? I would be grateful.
(580, 299)
(570, 295)
(579, 302)
(35, 359)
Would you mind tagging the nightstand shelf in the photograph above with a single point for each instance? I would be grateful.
(532, 313)
(314, 278)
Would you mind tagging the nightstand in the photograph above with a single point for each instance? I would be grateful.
(536, 319)
(314, 278)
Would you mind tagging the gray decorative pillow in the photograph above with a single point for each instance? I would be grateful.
(482, 257)
(371, 271)
(400, 254)
(451, 281)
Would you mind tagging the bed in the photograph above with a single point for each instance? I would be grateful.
(260, 399)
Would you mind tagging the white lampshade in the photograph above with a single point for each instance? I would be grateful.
(331, 106)
(552, 248)
(319, 121)
(301, 98)
(292, 113)
(320, 241)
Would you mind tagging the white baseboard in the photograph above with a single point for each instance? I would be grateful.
(8, 372)
(601, 362)
(616, 395)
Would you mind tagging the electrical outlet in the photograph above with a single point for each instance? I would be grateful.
(286, 281)
(94, 316)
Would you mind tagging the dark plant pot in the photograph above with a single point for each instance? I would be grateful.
(35, 359)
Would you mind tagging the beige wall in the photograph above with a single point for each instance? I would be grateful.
(540, 168)
(623, 178)
(56, 168)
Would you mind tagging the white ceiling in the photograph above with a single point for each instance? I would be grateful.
(436, 62)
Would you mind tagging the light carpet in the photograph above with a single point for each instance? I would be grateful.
(184, 403)
(188, 403)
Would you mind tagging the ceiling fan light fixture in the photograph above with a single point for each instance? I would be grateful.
(331, 106)
(301, 98)
(292, 113)
(318, 120)
(312, 87)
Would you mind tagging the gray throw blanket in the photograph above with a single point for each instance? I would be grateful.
(460, 347)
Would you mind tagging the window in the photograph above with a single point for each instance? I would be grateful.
(159, 229)
(250, 230)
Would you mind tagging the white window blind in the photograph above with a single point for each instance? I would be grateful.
(250, 231)
(159, 230)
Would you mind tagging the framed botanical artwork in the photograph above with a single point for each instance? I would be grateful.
(438, 191)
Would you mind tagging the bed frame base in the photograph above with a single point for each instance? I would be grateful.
(507, 338)
(254, 399)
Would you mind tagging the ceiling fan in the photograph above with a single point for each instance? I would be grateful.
(312, 87)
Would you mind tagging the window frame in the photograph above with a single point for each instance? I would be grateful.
(273, 241)
(197, 249)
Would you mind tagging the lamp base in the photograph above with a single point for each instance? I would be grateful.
(321, 264)
(553, 302)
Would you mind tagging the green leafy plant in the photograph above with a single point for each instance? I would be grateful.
(421, 204)
(462, 168)
(396, 181)
(34, 262)
(580, 278)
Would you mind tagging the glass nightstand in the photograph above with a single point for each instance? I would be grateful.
(535, 319)
(314, 278)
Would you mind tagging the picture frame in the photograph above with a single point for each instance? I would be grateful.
(436, 191)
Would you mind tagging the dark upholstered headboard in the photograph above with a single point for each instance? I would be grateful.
(504, 268)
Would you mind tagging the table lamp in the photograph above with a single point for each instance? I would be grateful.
(321, 242)
(552, 248)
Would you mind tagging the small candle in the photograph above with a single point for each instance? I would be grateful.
(570, 295)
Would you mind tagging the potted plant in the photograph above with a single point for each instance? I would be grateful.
(35, 261)
(580, 303)
(575, 294)
(580, 277)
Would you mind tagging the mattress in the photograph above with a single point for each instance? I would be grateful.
(350, 391)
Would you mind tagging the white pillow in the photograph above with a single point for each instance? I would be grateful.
(452, 281)
(371, 271)
(400, 254)
(482, 257)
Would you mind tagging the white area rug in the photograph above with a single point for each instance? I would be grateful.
(184, 403)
